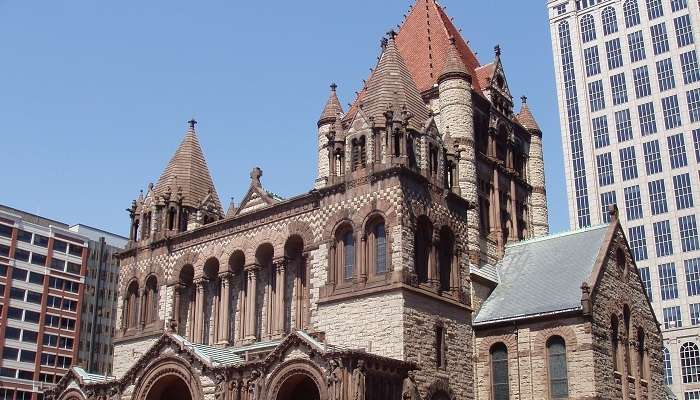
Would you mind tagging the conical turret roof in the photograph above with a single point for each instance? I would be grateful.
(187, 174)
(526, 119)
(391, 87)
(333, 109)
(454, 66)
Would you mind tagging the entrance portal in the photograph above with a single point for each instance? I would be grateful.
(169, 387)
(299, 387)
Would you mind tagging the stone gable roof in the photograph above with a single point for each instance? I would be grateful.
(188, 172)
(424, 42)
(543, 276)
(526, 119)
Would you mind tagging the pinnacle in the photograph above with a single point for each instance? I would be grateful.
(454, 66)
(333, 108)
(525, 117)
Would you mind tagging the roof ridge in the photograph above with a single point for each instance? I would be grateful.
(557, 235)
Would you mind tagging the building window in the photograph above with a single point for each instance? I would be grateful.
(642, 85)
(609, 21)
(692, 276)
(618, 87)
(690, 362)
(631, 10)
(359, 153)
(652, 157)
(592, 60)
(574, 118)
(645, 276)
(664, 73)
(440, 347)
(596, 96)
(659, 38)
(668, 281)
(558, 369)
(692, 395)
(684, 30)
(628, 163)
(636, 43)
(693, 97)
(615, 342)
(657, 197)
(664, 242)
(499, 372)
(606, 200)
(633, 203)
(623, 125)
(668, 369)
(376, 245)
(587, 28)
(677, 5)
(446, 251)
(672, 113)
(689, 233)
(655, 9)
(423, 243)
(694, 310)
(676, 151)
(647, 118)
(600, 132)
(614, 52)
(683, 191)
(348, 255)
(672, 317)
(689, 65)
(638, 242)
(561, 9)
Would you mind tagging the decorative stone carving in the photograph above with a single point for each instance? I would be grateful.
(255, 386)
(410, 389)
(359, 381)
(334, 381)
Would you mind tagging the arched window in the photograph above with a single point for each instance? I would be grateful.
(376, 246)
(432, 159)
(631, 10)
(345, 254)
(446, 259)
(423, 248)
(690, 362)
(668, 369)
(151, 302)
(499, 372)
(615, 341)
(609, 21)
(587, 28)
(131, 308)
(186, 297)
(359, 153)
(558, 370)
(641, 354)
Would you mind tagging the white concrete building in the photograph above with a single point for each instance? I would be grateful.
(628, 85)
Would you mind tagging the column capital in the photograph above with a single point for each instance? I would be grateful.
(255, 267)
(226, 276)
(199, 282)
(280, 263)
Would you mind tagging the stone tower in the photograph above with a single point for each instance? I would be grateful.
(535, 173)
(331, 112)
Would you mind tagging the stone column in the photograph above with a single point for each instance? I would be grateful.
(251, 297)
(199, 311)
(513, 210)
(176, 306)
(142, 308)
(189, 320)
(433, 278)
(280, 280)
(333, 265)
(242, 306)
(498, 228)
(224, 313)
(363, 262)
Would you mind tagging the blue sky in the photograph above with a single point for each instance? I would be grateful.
(94, 96)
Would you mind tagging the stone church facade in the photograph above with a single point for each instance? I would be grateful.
(397, 276)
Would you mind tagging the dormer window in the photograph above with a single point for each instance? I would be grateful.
(359, 153)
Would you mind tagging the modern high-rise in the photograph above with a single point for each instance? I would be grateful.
(628, 85)
(52, 298)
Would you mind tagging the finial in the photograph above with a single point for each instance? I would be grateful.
(255, 175)
(453, 40)
(391, 34)
(192, 123)
(334, 86)
(384, 42)
(497, 50)
(523, 99)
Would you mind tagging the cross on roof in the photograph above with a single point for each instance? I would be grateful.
(192, 123)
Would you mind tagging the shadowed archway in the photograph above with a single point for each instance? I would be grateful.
(169, 387)
(299, 387)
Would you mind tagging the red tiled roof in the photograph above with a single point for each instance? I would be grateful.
(424, 42)
(484, 74)
(526, 119)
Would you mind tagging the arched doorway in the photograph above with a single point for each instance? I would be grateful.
(299, 387)
(169, 387)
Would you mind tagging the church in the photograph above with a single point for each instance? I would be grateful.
(418, 265)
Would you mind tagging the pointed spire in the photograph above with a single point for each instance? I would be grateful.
(333, 108)
(525, 117)
(391, 86)
(188, 169)
(454, 66)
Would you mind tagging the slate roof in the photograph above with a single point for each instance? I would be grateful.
(188, 170)
(543, 276)
(424, 42)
